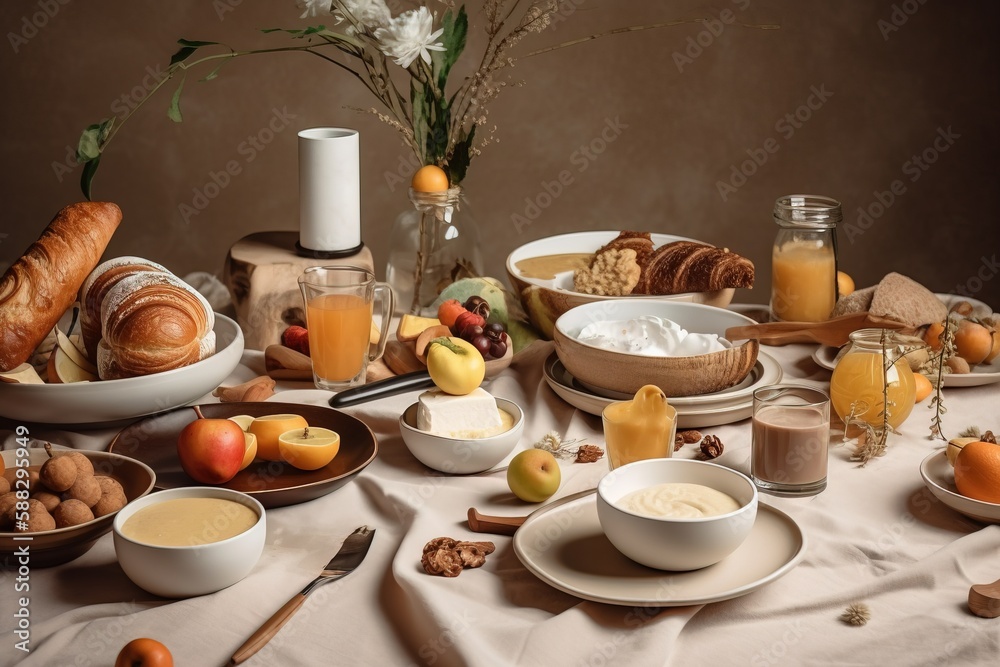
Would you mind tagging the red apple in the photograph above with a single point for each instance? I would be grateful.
(211, 450)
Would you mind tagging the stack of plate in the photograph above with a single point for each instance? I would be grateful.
(722, 407)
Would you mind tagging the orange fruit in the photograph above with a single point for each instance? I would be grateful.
(845, 283)
(977, 471)
(269, 428)
(309, 448)
(144, 652)
(923, 386)
(932, 335)
(430, 178)
(995, 350)
(973, 341)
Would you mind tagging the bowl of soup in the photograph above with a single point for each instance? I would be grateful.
(676, 514)
(189, 541)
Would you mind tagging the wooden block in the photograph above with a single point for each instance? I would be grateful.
(261, 272)
(401, 358)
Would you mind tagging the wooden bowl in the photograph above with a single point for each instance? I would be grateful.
(610, 372)
(545, 300)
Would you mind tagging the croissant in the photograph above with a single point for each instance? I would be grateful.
(38, 288)
(97, 285)
(153, 322)
(686, 266)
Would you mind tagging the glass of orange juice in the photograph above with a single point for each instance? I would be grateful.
(804, 258)
(643, 428)
(340, 301)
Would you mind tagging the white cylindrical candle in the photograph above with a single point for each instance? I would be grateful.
(329, 190)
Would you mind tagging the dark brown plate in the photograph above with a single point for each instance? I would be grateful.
(275, 484)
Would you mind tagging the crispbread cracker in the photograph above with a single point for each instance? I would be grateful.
(905, 300)
(857, 301)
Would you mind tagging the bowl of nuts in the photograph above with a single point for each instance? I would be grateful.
(73, 497)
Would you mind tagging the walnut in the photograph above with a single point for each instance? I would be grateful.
(614, 272)
(473, 554)
(689, 437)
(446, 562)
(989, 437)
(589, 454)
(711, 447)
(448, 557)
(440, 543)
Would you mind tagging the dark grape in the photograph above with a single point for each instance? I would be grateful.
(483, 344)
(477, 304)
(497, 350)
(494, 328)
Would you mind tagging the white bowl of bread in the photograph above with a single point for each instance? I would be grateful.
(610, 372)
(554, 274)
(150, 342)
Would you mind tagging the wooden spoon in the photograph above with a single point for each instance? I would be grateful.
(835, 332)
(984, 599)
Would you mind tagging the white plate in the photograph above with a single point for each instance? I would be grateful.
(564, 546)
(106, 401)
(939, 477)
(724, 407)
(826, 357)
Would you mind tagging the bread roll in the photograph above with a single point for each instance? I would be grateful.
(153, 322)
(39, 287)
(686, 266)
(95, 288)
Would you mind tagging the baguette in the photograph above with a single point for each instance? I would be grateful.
(40, 286)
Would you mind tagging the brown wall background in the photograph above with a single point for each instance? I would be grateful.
(897, 73)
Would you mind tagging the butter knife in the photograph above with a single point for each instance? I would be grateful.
(351, 553)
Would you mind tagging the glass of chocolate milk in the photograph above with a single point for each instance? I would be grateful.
(791, 438)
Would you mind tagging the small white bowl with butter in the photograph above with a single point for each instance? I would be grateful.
(676, 514)
(461, 435)
(190, 541)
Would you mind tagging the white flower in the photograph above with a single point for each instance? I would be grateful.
(314, 7)
(408, 36)
(369, 13)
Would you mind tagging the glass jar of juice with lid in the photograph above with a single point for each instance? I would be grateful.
(860, 389)
(804, 258)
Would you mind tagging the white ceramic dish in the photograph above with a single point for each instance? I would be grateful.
(117, 400)
(674, 544)
(724, 407)
(187, 571)
(939, 477)
(458, 456)
(564, 546)
(606, 371)
(555, 296)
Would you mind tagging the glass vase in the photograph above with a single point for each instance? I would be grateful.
(433, 243)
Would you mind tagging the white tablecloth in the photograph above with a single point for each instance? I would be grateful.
(874, 536)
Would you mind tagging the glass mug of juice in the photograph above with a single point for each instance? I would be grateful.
(643, 428)
(859, 386)
(339, 303)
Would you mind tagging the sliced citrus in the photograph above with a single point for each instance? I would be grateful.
(309, 448)
(269, 428)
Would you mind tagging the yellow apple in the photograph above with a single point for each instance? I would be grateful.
(534, 475)
(269, 428)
